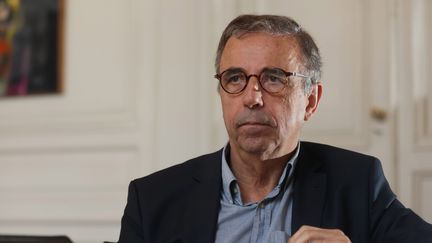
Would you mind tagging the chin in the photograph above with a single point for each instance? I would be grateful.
(257, 146)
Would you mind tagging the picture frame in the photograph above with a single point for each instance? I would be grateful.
(31, 47)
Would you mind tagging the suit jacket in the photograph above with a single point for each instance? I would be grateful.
(333, 188)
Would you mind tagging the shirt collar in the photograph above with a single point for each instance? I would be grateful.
(230, 189)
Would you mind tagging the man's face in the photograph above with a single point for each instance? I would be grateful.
(257, 122)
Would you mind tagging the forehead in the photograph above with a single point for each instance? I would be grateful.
(255, 51)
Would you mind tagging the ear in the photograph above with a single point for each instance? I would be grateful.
(313, 99)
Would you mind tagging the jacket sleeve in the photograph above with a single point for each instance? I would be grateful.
(131, 223)
(390, 220)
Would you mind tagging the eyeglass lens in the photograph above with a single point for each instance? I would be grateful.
(236, 80)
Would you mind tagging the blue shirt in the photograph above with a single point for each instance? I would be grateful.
(267, 221)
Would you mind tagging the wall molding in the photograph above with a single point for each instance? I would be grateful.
(418, 180)
(421, 37)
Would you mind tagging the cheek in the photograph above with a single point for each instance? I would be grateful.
(291, 112)
(228, 112)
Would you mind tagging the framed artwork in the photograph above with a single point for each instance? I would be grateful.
(31, 43)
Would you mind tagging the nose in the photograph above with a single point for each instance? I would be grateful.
(252, 95)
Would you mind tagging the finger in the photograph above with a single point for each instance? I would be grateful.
(314, 234)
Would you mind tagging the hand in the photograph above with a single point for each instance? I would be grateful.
(309, 234)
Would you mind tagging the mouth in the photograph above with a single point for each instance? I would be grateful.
(254, 124)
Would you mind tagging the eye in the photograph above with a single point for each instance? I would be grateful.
(274, 77)
(233, 77)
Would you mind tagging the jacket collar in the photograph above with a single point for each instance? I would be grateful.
(309, 190)
(204, 201)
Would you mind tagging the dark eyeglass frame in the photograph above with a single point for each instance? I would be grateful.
(259, 77)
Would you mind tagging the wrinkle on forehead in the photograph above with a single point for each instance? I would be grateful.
(254, 51)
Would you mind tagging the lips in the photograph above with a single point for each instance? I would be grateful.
(253, 123)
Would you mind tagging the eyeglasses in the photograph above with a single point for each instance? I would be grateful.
(272, 80)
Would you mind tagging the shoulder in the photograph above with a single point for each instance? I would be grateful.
(339, 161)
(334, 155)
(182, 173)
(328, 151)
(347, 169)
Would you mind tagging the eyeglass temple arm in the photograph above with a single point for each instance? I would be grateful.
(310, 79)
(299, 75)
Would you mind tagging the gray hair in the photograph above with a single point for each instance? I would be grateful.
(275, 25)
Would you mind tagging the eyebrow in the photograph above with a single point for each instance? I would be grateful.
(243, 70)
(235, 69)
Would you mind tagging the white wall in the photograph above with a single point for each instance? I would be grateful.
(66, 159)
(138, 77)
(139, 96)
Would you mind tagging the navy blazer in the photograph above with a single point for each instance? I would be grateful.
(333, 188)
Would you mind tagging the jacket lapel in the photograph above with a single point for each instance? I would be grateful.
(309, 191)
(204, 201)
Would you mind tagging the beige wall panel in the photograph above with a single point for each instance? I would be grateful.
(422, 189)
(415, 144)
(66, 160)
(99, 83)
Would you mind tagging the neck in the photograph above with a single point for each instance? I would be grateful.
(257, 177)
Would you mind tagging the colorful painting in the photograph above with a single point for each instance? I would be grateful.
(30, 47)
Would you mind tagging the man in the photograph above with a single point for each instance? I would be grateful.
(265, 185)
